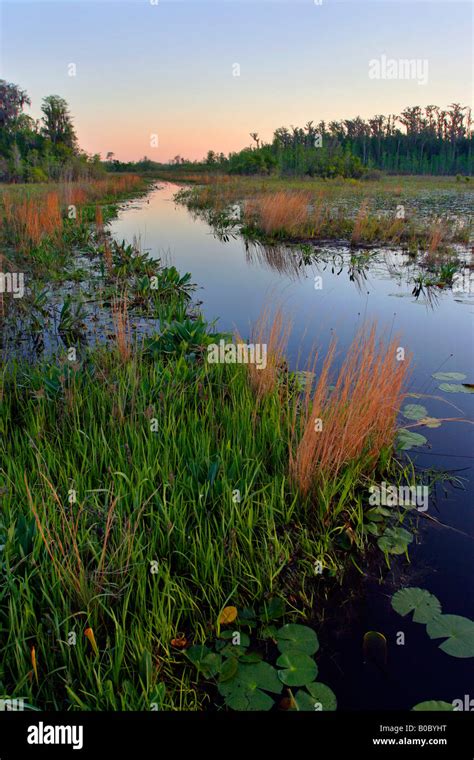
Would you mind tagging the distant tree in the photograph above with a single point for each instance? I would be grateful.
(254, 136)
(57, 122)
(109, 156)
(12, 101)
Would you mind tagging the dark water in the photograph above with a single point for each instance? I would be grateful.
(437, 327)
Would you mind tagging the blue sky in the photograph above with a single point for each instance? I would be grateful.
(167, 69)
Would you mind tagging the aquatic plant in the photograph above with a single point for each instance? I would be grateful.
(457, 631)
(353, 419)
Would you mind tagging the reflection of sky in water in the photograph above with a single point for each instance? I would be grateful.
(234, 284)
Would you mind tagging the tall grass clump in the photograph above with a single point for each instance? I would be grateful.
(280, 212)
(352, 420)
(272, 331)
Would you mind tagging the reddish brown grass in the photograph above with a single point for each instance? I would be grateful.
(29, 217)
(436, 237)
(274, 332)
(99, 221)
(284, 211)
(360, 222)
(358, 415)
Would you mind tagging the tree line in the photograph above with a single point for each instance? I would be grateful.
(420, 140)
(38, 150)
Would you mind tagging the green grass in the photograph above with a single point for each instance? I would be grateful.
(329, 208)
(164, 496)
(119, 483)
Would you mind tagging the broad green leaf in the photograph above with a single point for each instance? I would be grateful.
(244, 690)
(229, 669)
(434, 705)
(272, 609)
(414, 411)
(229, 635)
(454, 388)
(458, 631)
(261, 675)
(243, 698)
(231, 650)
(251, 657)
(395, 540)
(293, 637)
(426, 606)
(406, 439)
(197, 653)
(205, 660)
(319, 699)
(449, 376)
(298, 669)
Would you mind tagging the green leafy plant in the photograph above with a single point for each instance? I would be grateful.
(246, 681)
(457, 631)
(188, 337)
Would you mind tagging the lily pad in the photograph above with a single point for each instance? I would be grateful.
(205, 660)
(435, 705)
(395, 540)
(243, 698)
(293, 637)
(320, 698)
(246, 690)
(229, 669)
(414, 411)
(272, 609)
(425, 606)
(244, 637)
(407, 439)
(298, 669)
(458, 631)
(454, 388)
(449, 376)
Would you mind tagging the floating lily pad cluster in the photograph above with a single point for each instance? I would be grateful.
(246, 681)
(450, 383)
(448, 386)
(457, 631)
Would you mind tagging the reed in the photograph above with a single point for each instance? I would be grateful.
(354, 419)
(281, 212)
(273, 331)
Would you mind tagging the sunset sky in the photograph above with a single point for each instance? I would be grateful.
(168, 68)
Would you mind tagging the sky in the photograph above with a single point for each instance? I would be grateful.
(167, 77)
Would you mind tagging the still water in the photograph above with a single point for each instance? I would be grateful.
(235, 281)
